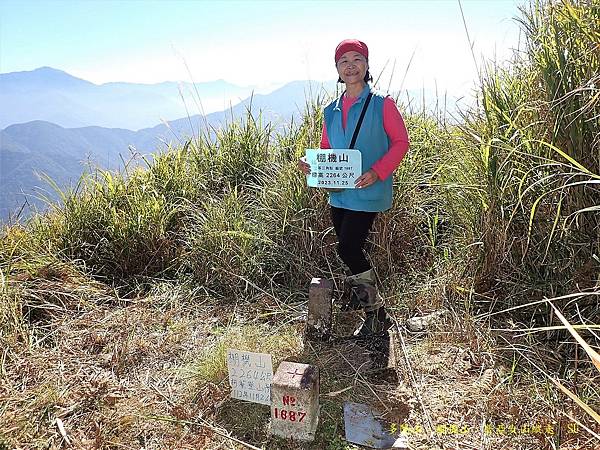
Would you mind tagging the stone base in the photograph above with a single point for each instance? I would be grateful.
(295, 401)
(319, 321)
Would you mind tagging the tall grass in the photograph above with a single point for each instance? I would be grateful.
(507, 199)
(499, 211)
(532, 160)
(230, 211)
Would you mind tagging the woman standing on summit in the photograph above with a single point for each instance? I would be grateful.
(382, 139)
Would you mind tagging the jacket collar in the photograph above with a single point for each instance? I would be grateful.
(360, 99)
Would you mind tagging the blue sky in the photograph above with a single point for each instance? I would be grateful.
(254, 42)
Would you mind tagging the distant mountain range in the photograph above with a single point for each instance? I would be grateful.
(55, 96)
(61, 151)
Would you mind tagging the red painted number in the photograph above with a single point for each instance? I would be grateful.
(288, 400)
(292, 416)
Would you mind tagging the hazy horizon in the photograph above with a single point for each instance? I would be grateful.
(413, 44)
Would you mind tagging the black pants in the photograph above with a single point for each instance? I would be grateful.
(352, 229)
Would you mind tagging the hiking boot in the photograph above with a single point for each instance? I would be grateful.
(350, 299)
(376, 322)
(354, 286)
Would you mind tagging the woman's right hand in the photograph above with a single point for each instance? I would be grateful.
(304, 166)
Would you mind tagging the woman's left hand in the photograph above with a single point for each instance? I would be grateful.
(366, 179)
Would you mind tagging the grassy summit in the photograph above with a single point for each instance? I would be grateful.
(118, 305)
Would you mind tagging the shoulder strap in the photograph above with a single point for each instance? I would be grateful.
(360, 119)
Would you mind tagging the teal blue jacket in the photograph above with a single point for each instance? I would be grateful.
(372, 142)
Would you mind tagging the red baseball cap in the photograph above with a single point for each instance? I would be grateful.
(349, 45)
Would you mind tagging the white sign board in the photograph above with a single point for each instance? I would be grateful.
(333, 168)
(250, 376)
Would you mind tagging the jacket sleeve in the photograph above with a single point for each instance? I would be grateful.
(398, 137)
(324, 138)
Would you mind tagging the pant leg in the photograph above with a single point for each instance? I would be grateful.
(354, 229)
(337, 218)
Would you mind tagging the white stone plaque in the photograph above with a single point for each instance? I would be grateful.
(250, 376)
(333, 168)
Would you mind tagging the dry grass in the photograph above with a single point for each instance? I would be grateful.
(104, 371)
(116, 309)
(137, 373)
(469, 399)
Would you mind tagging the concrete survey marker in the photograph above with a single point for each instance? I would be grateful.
(319, 322)
(295, 401)
(250, 376)
(364, 426)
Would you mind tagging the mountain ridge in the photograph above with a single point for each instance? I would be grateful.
(28, 148)
(56, 96)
